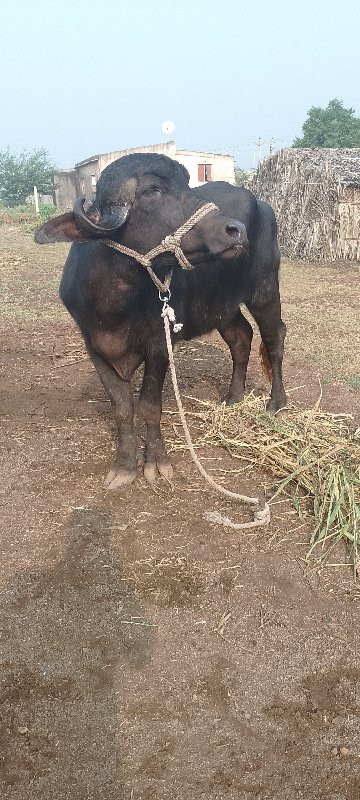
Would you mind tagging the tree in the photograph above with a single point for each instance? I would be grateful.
(241, 176)
(334, 126)
(20, 172)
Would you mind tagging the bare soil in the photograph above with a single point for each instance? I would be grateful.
(146, 654)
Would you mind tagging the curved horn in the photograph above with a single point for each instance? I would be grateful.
(109, 223)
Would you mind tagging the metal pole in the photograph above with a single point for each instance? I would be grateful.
(36, 198)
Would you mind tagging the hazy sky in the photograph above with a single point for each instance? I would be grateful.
(80, 77)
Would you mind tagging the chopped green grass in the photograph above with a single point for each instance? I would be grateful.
(354, 381)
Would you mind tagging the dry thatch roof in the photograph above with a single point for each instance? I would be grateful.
(341, 165)
(315, 195)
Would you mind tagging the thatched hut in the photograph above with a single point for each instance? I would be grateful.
(315, 194)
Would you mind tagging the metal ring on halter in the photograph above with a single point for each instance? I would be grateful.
(162, 296)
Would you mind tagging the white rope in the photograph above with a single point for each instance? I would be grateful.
(261, 516)
(171, 244)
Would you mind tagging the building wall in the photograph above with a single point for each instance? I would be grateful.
(82, 181)
(165, 149)
(88, 174)
(222, 166)
(66, 191)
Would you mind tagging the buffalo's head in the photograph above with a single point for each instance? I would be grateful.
(140, 199)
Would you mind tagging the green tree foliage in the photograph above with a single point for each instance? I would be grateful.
(20, 172)
(334, 126)
(240, 176)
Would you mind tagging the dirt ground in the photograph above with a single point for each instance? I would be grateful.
(146, 654)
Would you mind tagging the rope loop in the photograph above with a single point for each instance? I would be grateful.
(261, 516)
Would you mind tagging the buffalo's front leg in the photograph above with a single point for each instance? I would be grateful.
(150, 407)
(119, 392)
(238, 336)
(272, 330)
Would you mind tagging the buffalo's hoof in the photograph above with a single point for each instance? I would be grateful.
(232, 399)
(276, 404)
(117, 478)
(153, 470)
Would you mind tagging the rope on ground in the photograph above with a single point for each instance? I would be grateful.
(261, 516)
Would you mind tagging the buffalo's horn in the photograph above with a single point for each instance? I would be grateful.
(108, 223)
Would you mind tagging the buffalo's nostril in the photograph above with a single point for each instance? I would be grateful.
(233, 231)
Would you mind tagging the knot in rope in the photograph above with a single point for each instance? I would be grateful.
(171, 242)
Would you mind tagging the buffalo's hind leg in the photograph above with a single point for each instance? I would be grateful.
(272, 330)
(119, 392)
(238, 336)
(150, 407)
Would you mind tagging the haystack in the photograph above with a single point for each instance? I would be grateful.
(315, 194)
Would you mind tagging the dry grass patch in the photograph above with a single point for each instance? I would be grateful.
(312, 456)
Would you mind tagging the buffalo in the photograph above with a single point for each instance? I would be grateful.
(140, 200)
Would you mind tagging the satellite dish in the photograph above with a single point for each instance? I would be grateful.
(168, 127)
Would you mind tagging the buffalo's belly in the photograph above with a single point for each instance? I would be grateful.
(114, 347)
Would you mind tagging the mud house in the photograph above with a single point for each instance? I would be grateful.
(82, 180)
(315, 194)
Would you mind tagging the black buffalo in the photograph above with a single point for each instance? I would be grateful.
(140, 199)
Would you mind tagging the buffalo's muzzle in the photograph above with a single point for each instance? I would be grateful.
(237, 231)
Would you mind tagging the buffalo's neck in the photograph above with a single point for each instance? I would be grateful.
(99, 287)
(208, 297)
(110, 287)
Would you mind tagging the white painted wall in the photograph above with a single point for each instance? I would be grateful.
(222, 167)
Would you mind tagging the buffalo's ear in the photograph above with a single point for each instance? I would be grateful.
(60, 229)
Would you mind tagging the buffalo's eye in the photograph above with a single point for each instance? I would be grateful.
(152, 190)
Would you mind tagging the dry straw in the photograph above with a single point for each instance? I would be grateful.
(312, 456)
(315, 194)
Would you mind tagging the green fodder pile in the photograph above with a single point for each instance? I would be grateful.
(312, 456)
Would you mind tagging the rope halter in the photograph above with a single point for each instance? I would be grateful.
(170, 244)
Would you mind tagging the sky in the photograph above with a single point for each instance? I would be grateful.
(79, 77)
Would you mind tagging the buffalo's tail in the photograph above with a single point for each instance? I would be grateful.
(265, 363)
